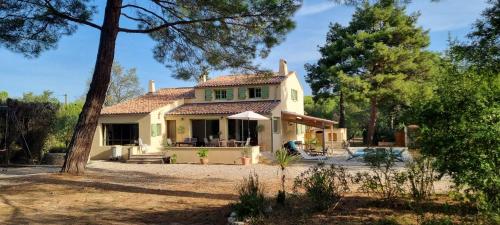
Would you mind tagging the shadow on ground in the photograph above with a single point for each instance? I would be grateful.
(116, 215)
(110, 197)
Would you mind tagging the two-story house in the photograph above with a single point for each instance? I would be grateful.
(202, 112)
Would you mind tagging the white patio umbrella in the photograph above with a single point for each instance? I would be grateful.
(247, 115)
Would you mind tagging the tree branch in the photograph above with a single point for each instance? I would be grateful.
(166, 25)
(136, 19)
(70, 18)
(145, 10)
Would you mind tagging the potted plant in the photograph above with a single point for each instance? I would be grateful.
(173, 159)
(260, 128)
(203, 154)
(245, 156)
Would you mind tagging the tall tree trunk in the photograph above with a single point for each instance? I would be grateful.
(342, 110)
(81, 142)
(373, 120)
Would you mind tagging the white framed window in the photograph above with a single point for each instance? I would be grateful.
(220, 94)
(255, 92)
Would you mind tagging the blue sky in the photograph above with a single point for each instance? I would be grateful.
(66, 69)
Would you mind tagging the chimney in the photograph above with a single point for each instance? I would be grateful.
(283, 68)
(152, 88)
(203, 76)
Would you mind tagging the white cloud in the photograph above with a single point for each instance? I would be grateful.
(306, 10)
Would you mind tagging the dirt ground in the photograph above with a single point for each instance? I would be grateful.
(117, 193)
(115, 197)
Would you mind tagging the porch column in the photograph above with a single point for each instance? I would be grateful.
(272, 133)
(224, 128)
(324, 133)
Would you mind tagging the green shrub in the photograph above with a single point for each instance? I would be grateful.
(386, 221)
(421, 177)
(383, 180)
(202, 153)
(323, 185)
(173, 159)
(437, 221)
(283, 159)
(251, 202)
(58, 150)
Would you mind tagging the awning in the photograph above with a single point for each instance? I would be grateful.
(248, 115)
(307, 120)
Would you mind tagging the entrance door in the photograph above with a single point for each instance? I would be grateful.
(171, 130)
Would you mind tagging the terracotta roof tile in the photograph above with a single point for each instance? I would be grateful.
(263, 107)
(242, 79)
(149, 102)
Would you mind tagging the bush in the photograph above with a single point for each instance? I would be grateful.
(383, 181)
(251, 202)
(29, 124)
(202, 153)
(283, 159)
(386, 221)
(437, 221)
(58, 150)
(421, 176)
(173, 159)
(323, 185)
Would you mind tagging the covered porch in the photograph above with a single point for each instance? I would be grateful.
(209, 125)
(318, 132)
(214, 131)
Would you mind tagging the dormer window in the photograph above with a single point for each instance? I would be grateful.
(220, 94)
(255, 92)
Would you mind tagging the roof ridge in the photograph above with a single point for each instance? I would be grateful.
(243, 74)
(268, 100)
(163, 88)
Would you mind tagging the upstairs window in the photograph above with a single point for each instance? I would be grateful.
(295, 96)
(220, 94)
(255, 92)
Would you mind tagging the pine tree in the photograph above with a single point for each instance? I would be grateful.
(380, 55)
(189, 35)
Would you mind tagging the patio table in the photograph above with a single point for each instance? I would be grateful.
(240, 143)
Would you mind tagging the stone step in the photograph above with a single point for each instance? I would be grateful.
(149, 156)
(145, 161)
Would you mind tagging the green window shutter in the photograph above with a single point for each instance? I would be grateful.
(265, 92)
(242, 93)
(208, 94)
(154, 130)
(229, 94)
(294, 95)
